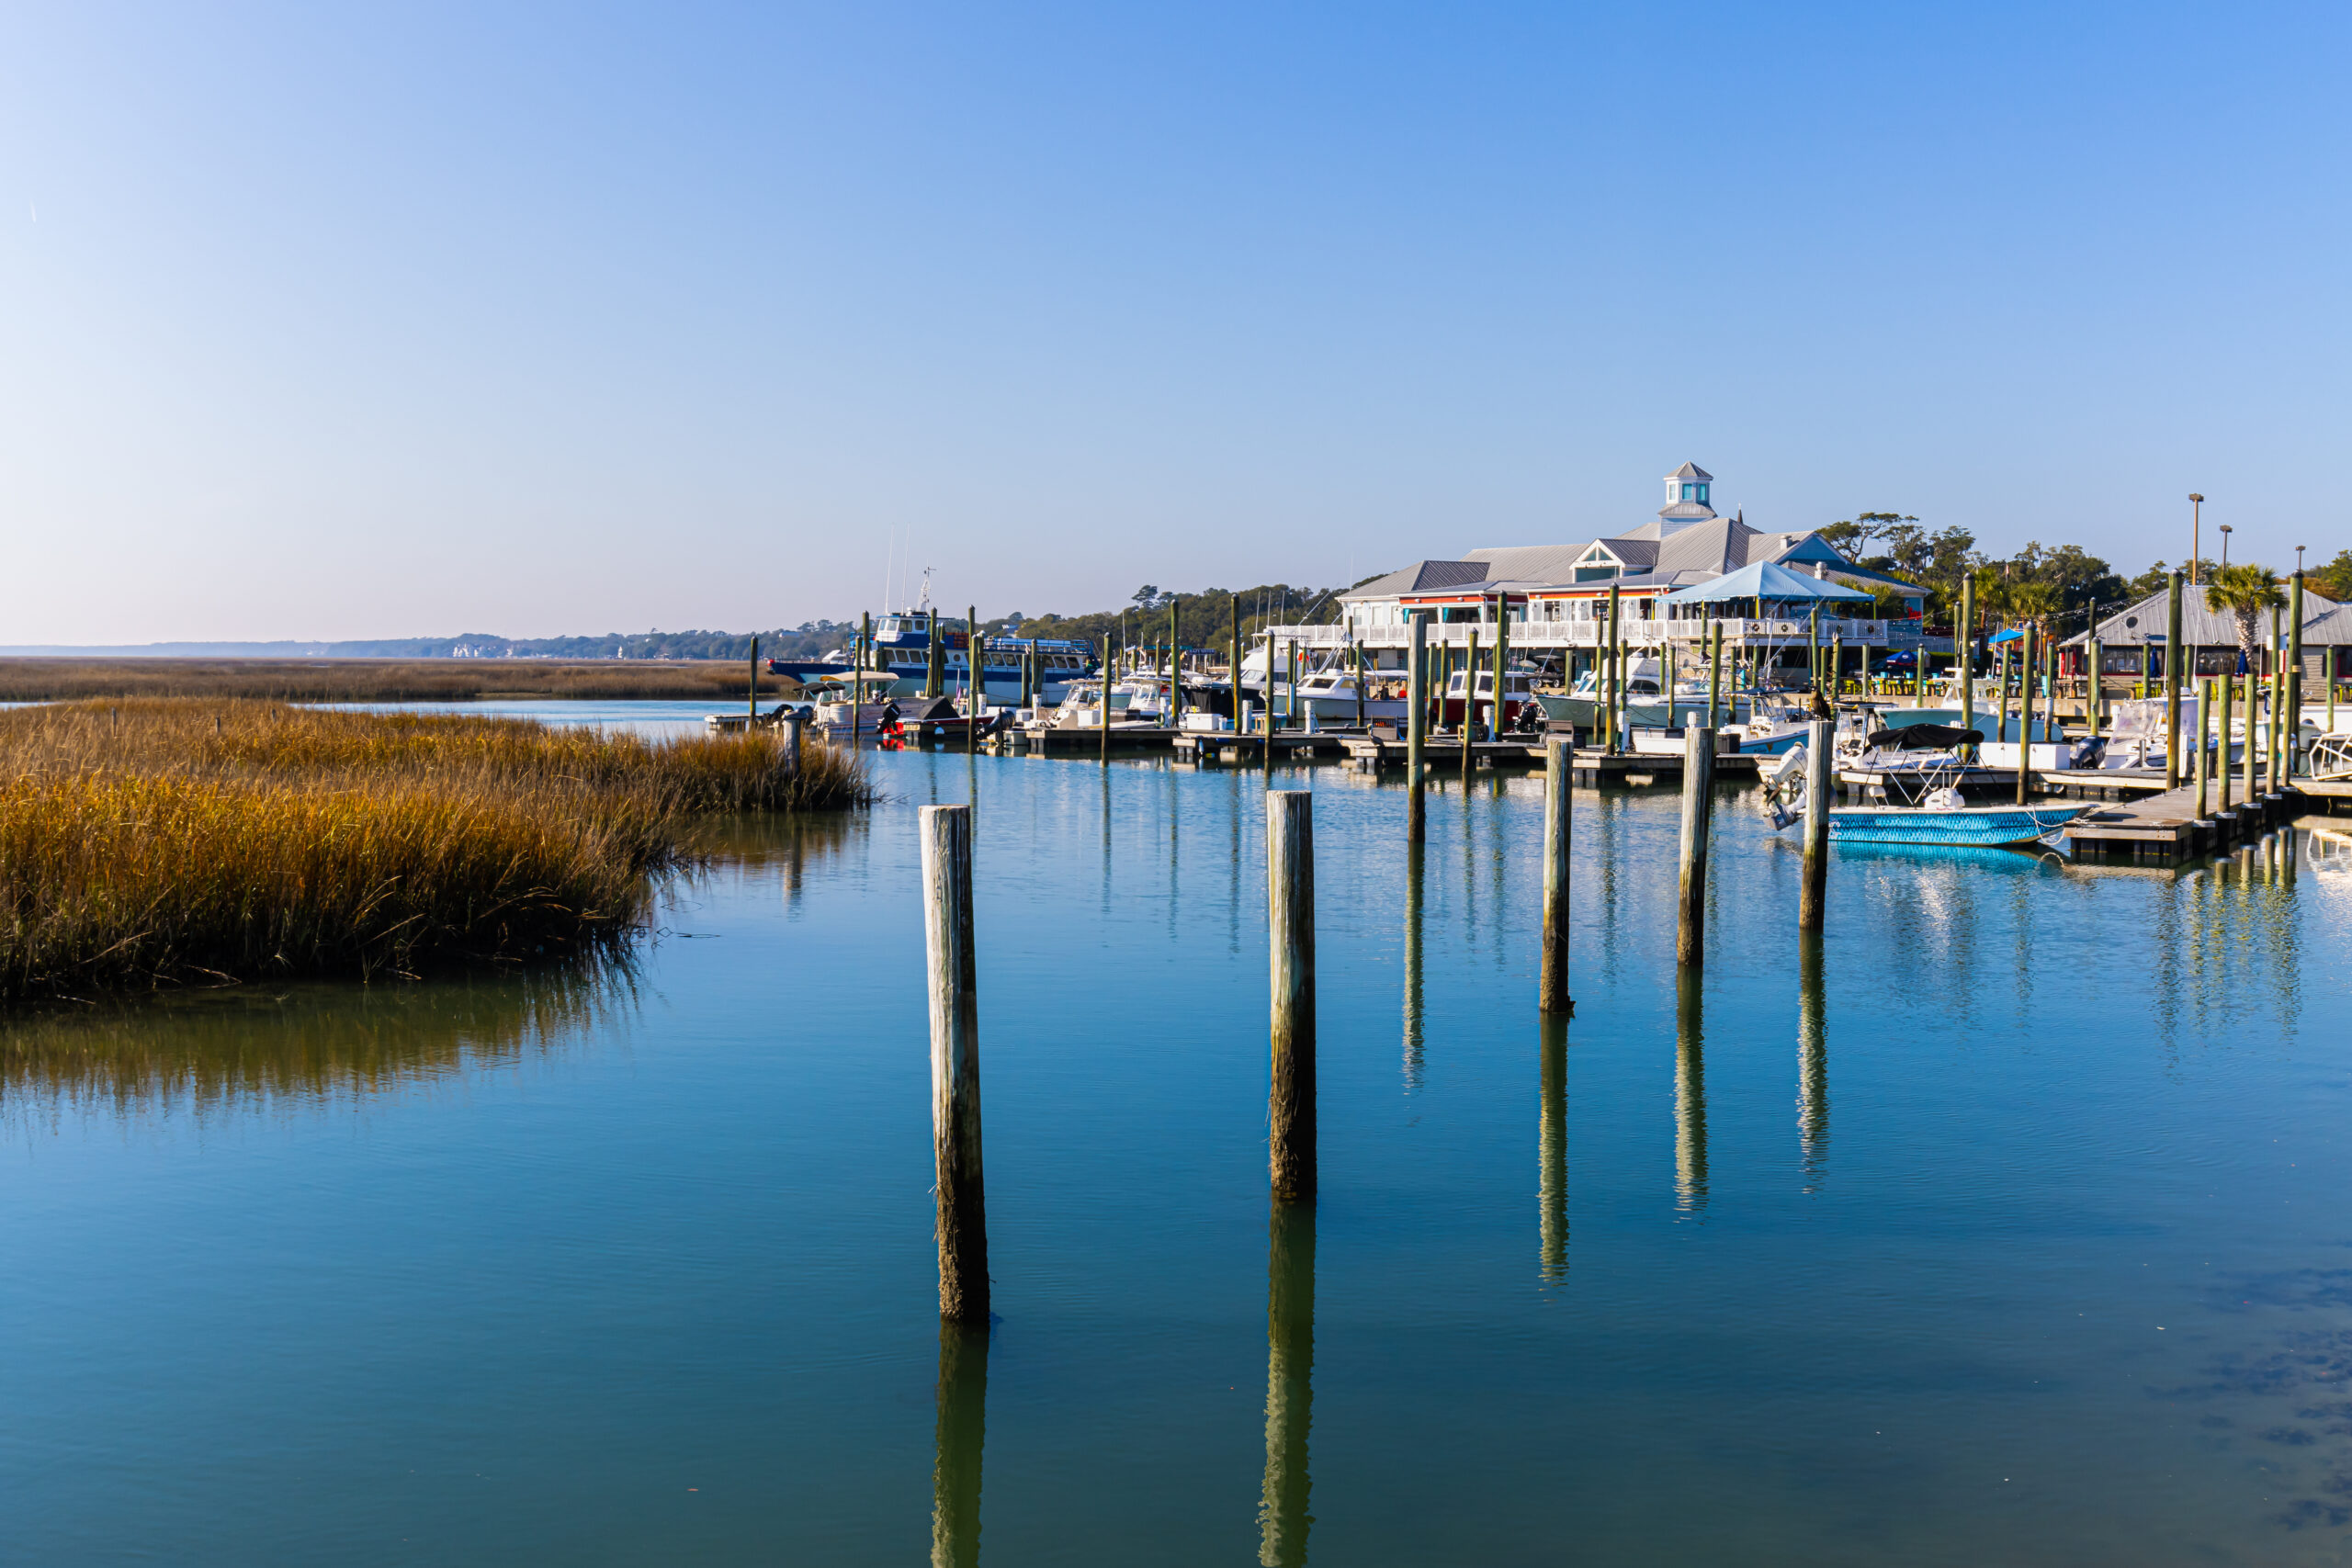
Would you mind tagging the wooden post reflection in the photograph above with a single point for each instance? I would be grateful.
(1412, 966)
(1813, 1065)
(1690, 1097)
(1551, 1151)
(1283, 1518)
(955, 1465)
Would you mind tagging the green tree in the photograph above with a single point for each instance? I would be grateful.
(1849, 537)
(2243, 593)
(2335, 579)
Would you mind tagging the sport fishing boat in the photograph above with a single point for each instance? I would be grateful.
(1941, 817)
(902, 648)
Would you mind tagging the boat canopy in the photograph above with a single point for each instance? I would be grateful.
(1763, 579)
(1924, 738)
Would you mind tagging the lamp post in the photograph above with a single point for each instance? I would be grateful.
(2195, 533)
(2226, 544)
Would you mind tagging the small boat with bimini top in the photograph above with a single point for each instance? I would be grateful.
(1941, 816)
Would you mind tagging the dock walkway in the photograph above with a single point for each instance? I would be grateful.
(2165, 825)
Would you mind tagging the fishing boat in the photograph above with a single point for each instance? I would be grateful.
(1941, 817)
(901, 648)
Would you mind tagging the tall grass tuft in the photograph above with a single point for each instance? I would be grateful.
(160, 842)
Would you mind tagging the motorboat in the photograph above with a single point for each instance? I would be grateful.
(1941, 817)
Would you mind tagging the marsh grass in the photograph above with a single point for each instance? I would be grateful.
(172, 842)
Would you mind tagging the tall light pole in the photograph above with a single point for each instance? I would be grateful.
(2225, 545)
(2195, 533)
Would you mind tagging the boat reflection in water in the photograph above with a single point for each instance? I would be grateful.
(1283, 1518)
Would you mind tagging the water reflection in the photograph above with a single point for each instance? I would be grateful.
(1813, 1065)
(959, 1437)
(1689, 1098)
(1552, 1150)
(1412, 968)
(1283, 1518)
(308, 1041)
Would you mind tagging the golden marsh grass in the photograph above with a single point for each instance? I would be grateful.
(160, 842)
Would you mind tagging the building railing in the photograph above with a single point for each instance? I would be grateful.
(1590, 634)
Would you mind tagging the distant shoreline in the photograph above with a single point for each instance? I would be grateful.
(324, 679)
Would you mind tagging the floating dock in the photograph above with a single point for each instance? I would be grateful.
(2165, 826)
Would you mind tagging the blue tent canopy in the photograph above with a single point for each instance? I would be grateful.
(1762, 580)
(2012, 634)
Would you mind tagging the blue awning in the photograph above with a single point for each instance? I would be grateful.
(1762, 580)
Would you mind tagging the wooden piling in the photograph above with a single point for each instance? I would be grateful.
(1355, 651)
(953, 976)
(1417, 717)
(1698, 813)
(2173, 658)
(1502, 661)
(1236, 666)
(1714, 668)
(2025, 714)
(857, 676)
(1814, 899)
(1552, 970)
(752, 702)
(1964, 645)
(1469, 731)
(2091, 702)
(789, 750)
(1105, 716)
(1607, 688)
(2222, 756)
(2204, 732)
(976, 670)
(2253, 751)
(1290, 948)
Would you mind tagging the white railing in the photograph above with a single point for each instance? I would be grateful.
(1589, 634)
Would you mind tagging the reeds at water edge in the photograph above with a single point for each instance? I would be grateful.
(162, 842)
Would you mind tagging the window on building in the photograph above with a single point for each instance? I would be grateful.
(1690, 491)
(1703, 494)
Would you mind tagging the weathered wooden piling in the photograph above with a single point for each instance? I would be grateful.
(2253, 751)
(1502, 661)
(1964, 645)
(2174, 656)
(1607, 688)
(857, 676)
(1105, 716)
(1469, 731)
(953, 982)
(2025, 714)
(2204, 737)
(959, 1436)
(934, 664)
(2091, 694)
(752, 699)
(1714, 668)
(789, 749)
(1416, 718)
(1290, 949)
(2221, 754)
(1698, 816)
(1814, 897)
(1552, 969)
(976, 670)
(1283, 1517)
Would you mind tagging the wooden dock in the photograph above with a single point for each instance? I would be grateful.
(1587, 766)
(2165, 826)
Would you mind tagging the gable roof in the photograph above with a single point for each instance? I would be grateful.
(1419, 577)
(2326, 624)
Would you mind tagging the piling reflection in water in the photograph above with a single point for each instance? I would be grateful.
(959, 1437)
(1689, 1098)
(1551, 1151)
(1813, 1065)
(1283, 1518)
(1412, 967)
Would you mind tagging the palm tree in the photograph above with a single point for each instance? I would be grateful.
(2035, 602)
(2243, 591)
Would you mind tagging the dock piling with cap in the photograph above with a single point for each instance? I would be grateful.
(1814, 897)
(1698, 812)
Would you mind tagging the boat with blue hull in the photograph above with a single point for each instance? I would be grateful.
(1961, 827)
(902, 648)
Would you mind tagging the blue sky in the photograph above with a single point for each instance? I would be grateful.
(369, 321)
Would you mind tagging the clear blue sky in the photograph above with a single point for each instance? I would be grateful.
(352, 320)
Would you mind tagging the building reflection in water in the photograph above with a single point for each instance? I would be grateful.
(1813, 1065)
(1412, 968)
(1551, 1151)
(1690, 1097)
(960, 1436)
(1283, 1518)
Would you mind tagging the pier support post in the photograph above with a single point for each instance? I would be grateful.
(1551, 977)
(2294, 671)
(2172, 681)
(1290, 945)
(953, 981)
(2204, 730)
(1698, 813)
(1105, 716)
(1714, 669)
(1813, 899)
(1964, 648)
(1469, 730)
(788, 758)
(2091, 704)
(2025, 716)
(2222, 754)
(2253, 751)
(1416, 718)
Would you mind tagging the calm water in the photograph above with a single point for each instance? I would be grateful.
(2019, 1235)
